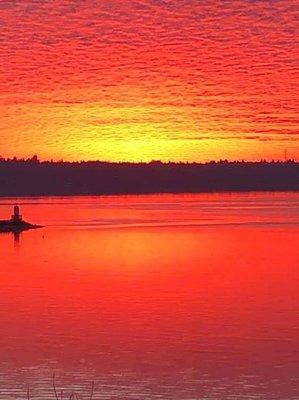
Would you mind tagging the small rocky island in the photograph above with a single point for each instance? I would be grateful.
(16, 223)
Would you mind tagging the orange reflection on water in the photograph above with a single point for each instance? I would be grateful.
(220, 301)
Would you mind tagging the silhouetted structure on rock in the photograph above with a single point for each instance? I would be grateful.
(16, 224)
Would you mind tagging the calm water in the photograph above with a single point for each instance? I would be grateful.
(153, 297)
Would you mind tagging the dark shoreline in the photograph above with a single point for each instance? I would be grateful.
(25, 196)
(32, 178)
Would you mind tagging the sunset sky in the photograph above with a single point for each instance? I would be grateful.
(136, 80)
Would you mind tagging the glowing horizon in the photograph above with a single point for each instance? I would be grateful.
(148, 80)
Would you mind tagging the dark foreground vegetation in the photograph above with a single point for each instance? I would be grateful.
(59, 394)
(34, 178)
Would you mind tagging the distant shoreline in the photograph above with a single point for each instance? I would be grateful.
(146, 194)
(32, 178)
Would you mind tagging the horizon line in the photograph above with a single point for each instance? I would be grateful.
(35, 159)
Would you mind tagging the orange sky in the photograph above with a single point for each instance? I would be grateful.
(148, 79)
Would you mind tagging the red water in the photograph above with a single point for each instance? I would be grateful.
(153, 297)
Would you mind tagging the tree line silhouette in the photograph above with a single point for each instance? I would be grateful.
(31, 177)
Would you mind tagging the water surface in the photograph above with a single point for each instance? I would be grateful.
(153, 297)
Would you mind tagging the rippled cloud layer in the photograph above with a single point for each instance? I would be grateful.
(148, 79)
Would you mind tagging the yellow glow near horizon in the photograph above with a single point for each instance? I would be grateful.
(115, 82)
